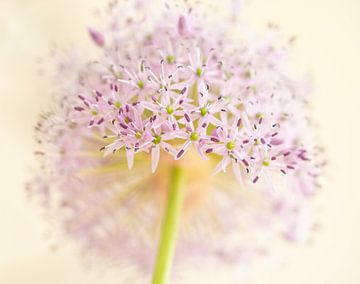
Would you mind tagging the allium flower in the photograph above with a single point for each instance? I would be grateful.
(178, 121)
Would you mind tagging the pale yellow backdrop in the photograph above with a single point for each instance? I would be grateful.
(328, 47)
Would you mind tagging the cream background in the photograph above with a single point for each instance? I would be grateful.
(328, 46)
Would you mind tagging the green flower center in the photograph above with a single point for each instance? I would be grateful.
(266, 163)
(247, 74)
(228, 75)
(194, 136)
(198, 71)
(138, 134)
(140, 84)
(157, 139)
(203, 111)
(170, 59)
(94, 112)
(117, 104)
(169, 109)
(260, 115)
(230, 145)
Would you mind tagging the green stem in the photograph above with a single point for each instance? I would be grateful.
(170, 224)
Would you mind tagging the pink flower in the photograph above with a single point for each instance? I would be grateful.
(192, 136)
(228, 145)
(178, 91)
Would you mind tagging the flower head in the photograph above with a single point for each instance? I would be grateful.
(189, 94)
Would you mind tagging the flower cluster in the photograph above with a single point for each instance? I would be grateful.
(185, 91)
(179, 91)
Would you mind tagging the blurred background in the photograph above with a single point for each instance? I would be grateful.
(328, 45)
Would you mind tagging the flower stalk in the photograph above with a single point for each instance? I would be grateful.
(169, 229)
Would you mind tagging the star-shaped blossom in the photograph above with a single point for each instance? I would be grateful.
(226, 143)
(132, 133)
(192, 135)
